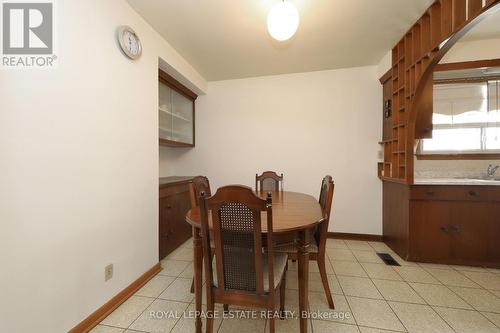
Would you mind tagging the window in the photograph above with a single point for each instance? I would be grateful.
(466, 119)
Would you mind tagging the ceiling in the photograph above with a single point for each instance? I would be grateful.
(489, 28)
(227, 39)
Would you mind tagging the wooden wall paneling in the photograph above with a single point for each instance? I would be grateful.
(435, 25)
(452, 66)
(424, 118)
(408, 49)
(425, 30)
(446, 19)
(386, 80)
(387, 157)
(417, 37)
(396, 217)
(459, 13)
(474, 8)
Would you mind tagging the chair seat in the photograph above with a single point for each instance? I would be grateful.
(293, 248)
(279, 263)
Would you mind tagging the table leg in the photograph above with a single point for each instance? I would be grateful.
(303, 276)
(197, 272)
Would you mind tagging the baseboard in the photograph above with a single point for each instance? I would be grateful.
(98, 315)
(363, 237)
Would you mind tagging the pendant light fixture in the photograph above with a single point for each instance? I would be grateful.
(283, 20)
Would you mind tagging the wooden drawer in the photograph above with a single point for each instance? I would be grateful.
(455, 192)
(174, 189)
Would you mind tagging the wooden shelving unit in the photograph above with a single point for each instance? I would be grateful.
(411, 56)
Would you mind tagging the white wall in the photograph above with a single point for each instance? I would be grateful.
(304, 125)
(79, 169)
(384, 64)
(483, 49)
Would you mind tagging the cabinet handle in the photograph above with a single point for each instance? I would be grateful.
(473, 193)
(444, 229)
(429, 192)
(455, 228)
(168, 206)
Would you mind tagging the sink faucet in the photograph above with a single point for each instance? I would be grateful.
(492, 169)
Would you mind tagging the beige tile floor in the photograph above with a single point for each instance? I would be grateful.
(369, 296)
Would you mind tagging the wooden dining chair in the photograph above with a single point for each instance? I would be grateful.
(199, 184)
(317, 250)
(245, 271)
(269, 181)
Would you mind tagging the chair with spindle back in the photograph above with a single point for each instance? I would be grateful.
(245, 271)
(317, 250)
(269, 181)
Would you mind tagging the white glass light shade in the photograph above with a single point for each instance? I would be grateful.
(283, 21)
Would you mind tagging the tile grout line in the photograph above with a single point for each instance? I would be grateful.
(386, 301)
(454, 293)
(472, 306)
(343, 293)
(155, 299)
(356, 260)
(399, 319)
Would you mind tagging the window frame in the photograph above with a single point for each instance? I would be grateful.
(468, 154)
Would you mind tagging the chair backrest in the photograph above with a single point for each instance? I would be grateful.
(269, 181)
(199, 184)
(325, 201)
(235, 213)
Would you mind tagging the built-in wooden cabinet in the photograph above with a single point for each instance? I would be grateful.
(175, 201)
(414, 59)
(176, 112)
(446, 224)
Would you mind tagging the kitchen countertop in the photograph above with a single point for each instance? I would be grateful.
(455, 181)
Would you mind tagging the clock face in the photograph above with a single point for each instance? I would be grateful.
(129, 42)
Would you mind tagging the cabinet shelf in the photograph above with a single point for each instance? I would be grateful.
(177, 116)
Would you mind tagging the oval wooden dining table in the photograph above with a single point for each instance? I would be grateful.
(294, 216)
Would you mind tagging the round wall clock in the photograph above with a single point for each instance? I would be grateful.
(129, 42)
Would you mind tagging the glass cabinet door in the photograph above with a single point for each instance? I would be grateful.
(182, 120)
(165, 112)
(176, 117)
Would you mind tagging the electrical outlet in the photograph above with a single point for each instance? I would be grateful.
(380, 154)
(108, 272)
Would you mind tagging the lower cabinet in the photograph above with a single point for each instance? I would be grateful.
(475, 231)
(429, 234)
(443, 224)
(174, 204)
(456, 229)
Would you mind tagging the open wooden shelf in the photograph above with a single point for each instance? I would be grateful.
(411, 56)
